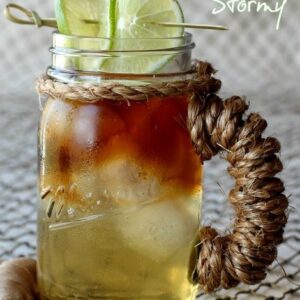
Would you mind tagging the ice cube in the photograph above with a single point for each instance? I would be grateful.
(73, 137)
(55, 126)
(120, 180)
(160, 229)
(56, 120)
(93, 124)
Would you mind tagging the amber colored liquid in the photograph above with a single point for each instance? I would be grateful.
(121, 215)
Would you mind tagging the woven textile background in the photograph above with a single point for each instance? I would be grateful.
(253, 59)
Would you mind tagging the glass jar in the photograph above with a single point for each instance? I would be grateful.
(120, 182)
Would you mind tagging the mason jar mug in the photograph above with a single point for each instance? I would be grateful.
(122, 140)
(120, 182)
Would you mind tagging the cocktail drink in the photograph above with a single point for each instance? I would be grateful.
(122, 217)
(120, 181)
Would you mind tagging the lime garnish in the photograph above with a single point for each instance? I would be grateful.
(129, 25)
(91, 18)
(137, 28)
(86, 18)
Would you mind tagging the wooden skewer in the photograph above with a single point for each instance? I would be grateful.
(189, 25)
(34, 19)
(172, 24)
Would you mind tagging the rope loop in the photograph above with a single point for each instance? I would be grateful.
(218, 126)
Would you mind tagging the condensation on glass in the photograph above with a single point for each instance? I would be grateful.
(120, 182)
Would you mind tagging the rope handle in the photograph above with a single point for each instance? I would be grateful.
(257, 197)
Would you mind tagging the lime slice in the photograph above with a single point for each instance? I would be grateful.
(85, 18)
(129, 25)
(90, 18)
(135, 29)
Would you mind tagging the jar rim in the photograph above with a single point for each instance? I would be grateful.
(93, 44)
(88, 55)
(184, 36)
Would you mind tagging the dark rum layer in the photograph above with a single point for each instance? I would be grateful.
(85, 136)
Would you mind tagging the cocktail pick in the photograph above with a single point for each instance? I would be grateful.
(34, 19)
(189, 25)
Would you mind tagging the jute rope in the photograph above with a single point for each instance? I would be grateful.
(257, 197)
(204, 83)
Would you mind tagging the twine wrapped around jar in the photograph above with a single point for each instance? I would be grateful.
(217, 126)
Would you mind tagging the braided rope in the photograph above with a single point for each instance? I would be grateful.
(18, 279)
(215, 126)
(204, 83)
(260, 207)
